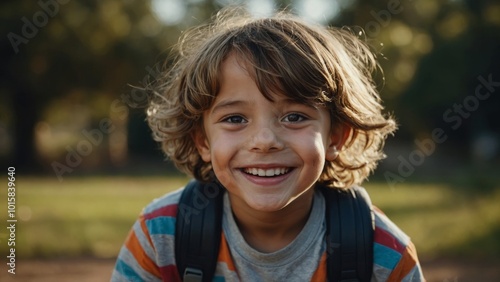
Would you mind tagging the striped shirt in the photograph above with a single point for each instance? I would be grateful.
(148, 252)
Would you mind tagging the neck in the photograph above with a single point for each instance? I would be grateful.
(271, 231)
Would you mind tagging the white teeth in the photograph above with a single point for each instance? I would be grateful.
(266, 172)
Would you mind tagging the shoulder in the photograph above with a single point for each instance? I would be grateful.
(159, 216)
(163, 205)
(395, 256)
(147, 254)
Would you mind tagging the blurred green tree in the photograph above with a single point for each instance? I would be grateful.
(72, 54)
(66, 62)
(435, 54)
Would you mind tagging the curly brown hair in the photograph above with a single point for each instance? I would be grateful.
(310, 63)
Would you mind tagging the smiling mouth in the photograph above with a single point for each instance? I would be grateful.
(269, 172)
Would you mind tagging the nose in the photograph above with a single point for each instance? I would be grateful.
(265, 139)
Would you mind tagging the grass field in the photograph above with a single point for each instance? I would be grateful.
(91, 216)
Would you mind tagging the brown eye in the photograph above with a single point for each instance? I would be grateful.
(293, 118)
(234, 119)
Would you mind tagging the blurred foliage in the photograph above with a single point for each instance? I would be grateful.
(66, 63)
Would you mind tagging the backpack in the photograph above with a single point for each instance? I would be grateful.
(349, 232)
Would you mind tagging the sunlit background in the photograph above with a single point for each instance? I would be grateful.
(69, 66)
(71, 106)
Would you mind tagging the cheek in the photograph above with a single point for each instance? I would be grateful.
(310, 146)
(316, 152)
(221, 152)
(318, 163)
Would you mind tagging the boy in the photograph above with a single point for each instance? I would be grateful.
(271, 109)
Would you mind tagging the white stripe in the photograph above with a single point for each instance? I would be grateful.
(165, 245)
(171, 198)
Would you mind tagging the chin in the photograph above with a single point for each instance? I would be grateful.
(266, 205)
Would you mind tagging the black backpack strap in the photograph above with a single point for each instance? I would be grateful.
(198, 231)
(350, 228)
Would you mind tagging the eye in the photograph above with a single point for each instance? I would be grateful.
(293, 118)
(234, 119)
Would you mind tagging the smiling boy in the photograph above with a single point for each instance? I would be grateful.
(268, 154)
(271, 109)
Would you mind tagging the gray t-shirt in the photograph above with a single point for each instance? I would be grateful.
(296, 262)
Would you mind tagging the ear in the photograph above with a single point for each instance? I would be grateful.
(338, 136)
(202, 145)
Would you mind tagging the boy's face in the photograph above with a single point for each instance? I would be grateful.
(265, 153)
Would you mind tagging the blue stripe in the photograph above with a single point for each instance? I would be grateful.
(385, 257)
(127, 271)
(219, 279)
(161, 225)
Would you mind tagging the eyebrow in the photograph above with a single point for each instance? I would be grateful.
(227, 103)
(231, 103)
(289, 101)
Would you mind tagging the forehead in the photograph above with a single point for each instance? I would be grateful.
(238, 87)
(235, 67)
(238, 80)
(239, 71)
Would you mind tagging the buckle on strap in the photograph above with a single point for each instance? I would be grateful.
(192, 275)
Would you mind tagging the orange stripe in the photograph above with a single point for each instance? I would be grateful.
(144, 228)
(320, 274)
(134, 246)
(405, 265)
(224, 254)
